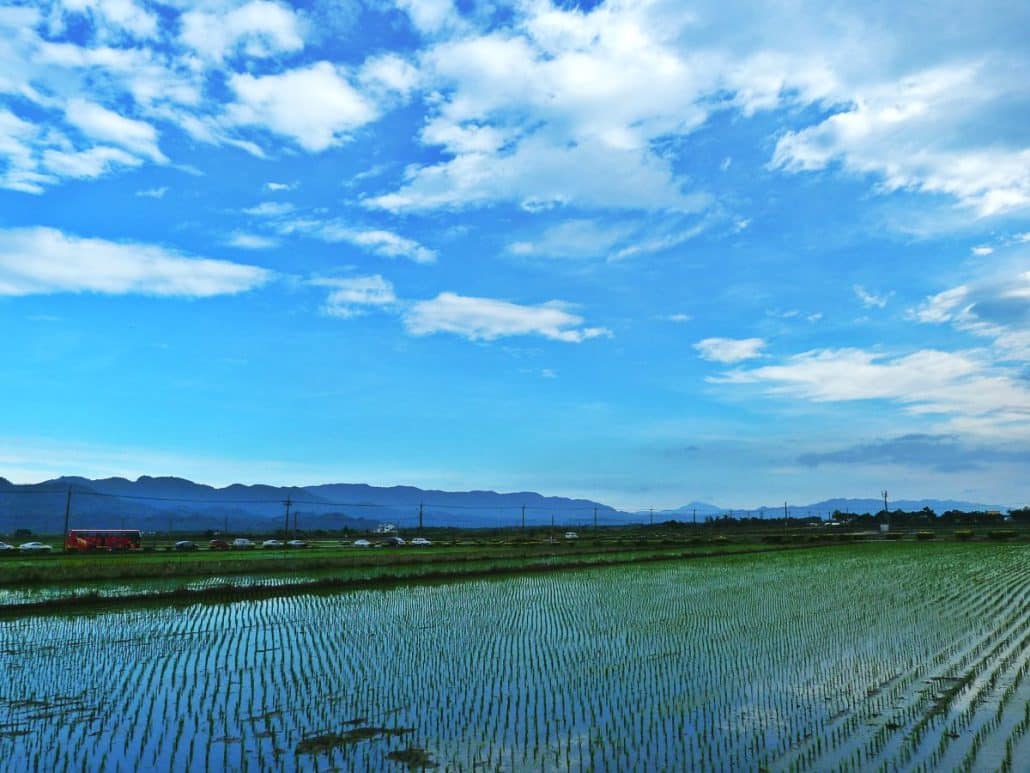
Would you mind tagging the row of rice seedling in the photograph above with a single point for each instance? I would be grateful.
(901, 657)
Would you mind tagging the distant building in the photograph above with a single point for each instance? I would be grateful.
(386, 528)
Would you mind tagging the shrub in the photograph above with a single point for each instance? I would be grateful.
(964, 535)
(1002, 534)
(895, 535)
(773, 539)
(925, 535)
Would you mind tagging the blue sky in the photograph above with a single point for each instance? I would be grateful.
(644, 252)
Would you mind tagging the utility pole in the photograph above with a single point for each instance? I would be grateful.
(67, 514)
(652, 515)
(595, 519)
(884, 493)
(225, 525)
(523, 518)
(785, 515)
(286, 530)
(419, 517)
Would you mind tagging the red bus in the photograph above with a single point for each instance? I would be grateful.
(85, 540)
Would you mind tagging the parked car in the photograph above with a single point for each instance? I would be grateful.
(421, 541)
(4, 547)
(184, 545)
(34, 547)
(272, 543)
(242, 543)
(571, 535)
(362, 543)
(218, 544)
(396, 541)
(296, 543)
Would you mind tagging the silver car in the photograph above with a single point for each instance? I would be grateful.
(34, 547)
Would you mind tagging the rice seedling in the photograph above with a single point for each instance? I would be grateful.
(880, 656)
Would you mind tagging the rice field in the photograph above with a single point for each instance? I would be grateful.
(891, 656)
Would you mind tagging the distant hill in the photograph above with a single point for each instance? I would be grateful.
(826, 507)
(168, 503)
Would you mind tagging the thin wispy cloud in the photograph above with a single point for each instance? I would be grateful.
(42, 261)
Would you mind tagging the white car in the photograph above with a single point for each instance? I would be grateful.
(242, 543)
(4, 547)
(296, 543)
(571, 535)
(34, 547)
(362, 543)
(272, 543)
(420, 541)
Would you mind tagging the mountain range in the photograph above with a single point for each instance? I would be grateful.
(169, 503)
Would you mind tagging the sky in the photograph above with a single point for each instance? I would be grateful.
(642, 252)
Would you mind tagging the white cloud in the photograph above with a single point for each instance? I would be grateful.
(388, 74)
(904, 132)
(100, 123)
(429, 16)
(248, 241)
(679, 317)
(377, 241)
(315, 105)
(269, 209)
(390, 245)
(973, 396)
(153, 193)
(870, 299)
(487, 319)
(997, 308)
(45, 261)
(982, 250)
(579, 238)
(729, 349)
(259, 28)
(86, 164)
(21, 170)
(123, 15)
(352, 297)
(276, 187)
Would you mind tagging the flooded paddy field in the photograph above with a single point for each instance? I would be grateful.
(895, 656)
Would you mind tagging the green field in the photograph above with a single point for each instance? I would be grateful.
(858, 657)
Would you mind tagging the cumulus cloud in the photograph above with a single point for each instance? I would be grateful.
(543, 105)
(429, 16)
(120, 15)
(729, 350)
(315, 106)
(355, 296)
(487, 319)
(106, 125)
(85, 164)
(898, 131)
(259, 28)
(45, 261)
